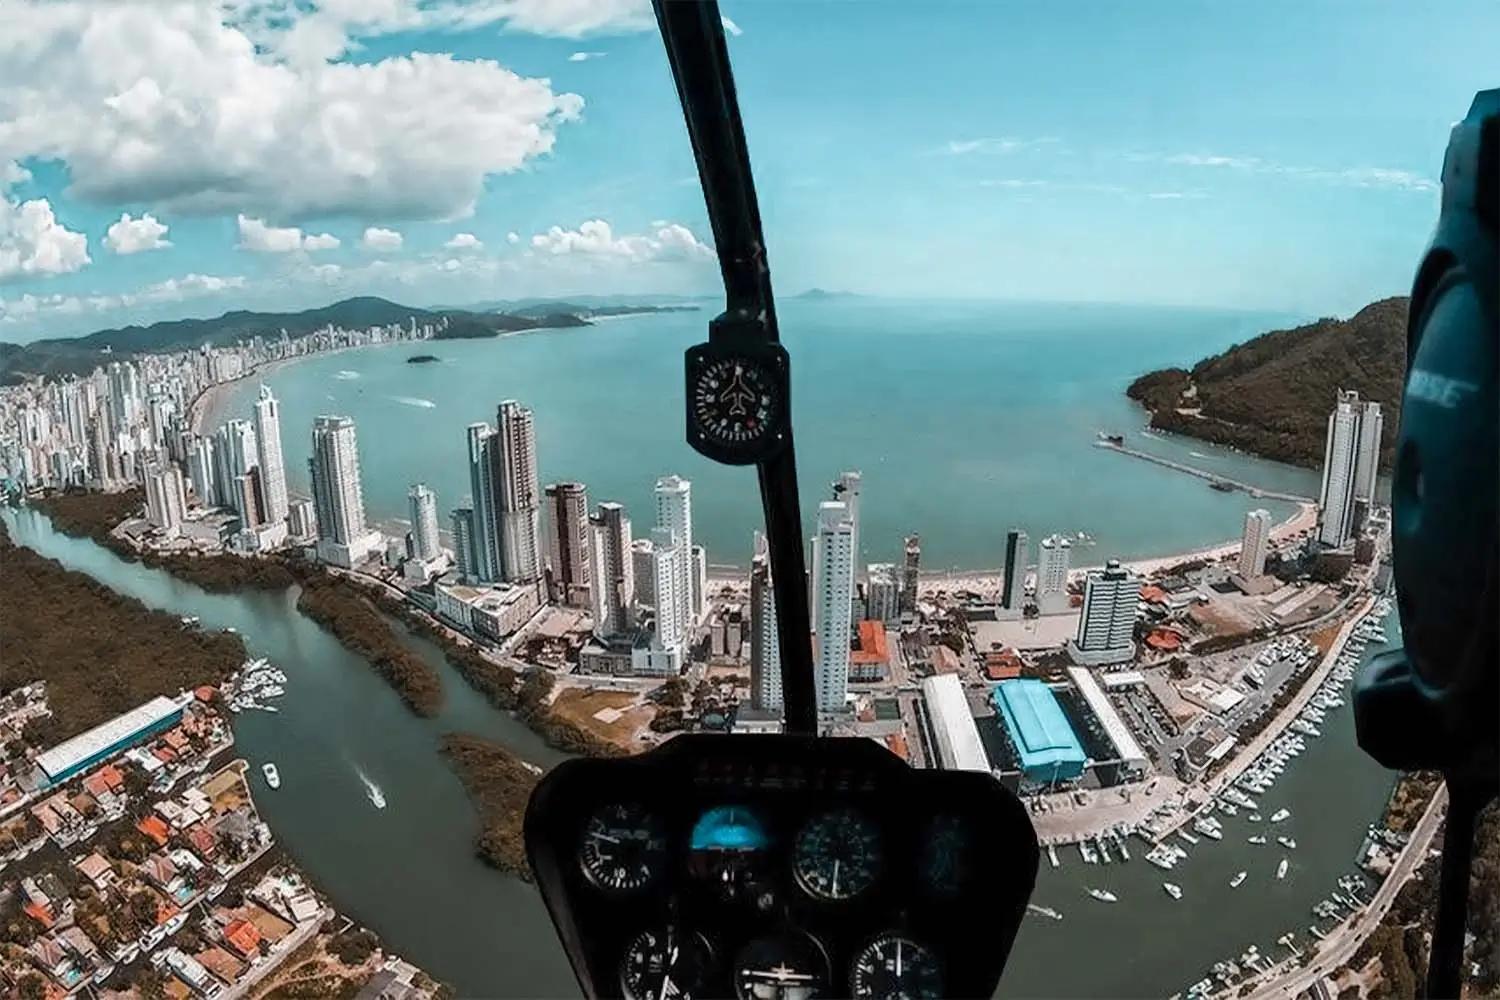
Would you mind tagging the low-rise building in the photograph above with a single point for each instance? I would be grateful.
(493, 611)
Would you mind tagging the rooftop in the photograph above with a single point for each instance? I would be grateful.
(71, 753)
(1036, 723)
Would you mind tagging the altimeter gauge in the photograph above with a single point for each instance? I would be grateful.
(622, 847)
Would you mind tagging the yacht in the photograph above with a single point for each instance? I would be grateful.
(1257, 839)
(1238, 879)
(1254, 817)
(1172, 890)
(273, 776)
(1287, 842)
(373, 792)
(1279, 815)
(1187, 837)
(1281, 869)
(1104, 895)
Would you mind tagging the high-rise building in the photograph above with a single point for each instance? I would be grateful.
(674, 512)
(486, 539)
(765, 642)
(883, 592)
(672, 628)
(568, 556)
(424, 522)
(247, 499)
(846, 490)
(1013, 583)
(611, 570)
(833, 593)
(338, 495)
(165, 503)
(1053, 560)
(1106, 629)
(463, 543)
(1367, 455)
(1340, 460)
(698, 565)
(910, 570)
(1253, 545)
(202, 469)
(302, 519)
(236, 453)
(518, 493)
(272, 466)
(643, 565)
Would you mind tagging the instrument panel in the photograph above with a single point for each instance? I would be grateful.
(780, 868)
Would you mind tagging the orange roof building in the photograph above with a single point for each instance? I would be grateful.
(1164, 640)
(153, 827)
(242, 937)
(869, 661)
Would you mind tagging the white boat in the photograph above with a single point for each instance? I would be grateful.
(1281, 869)
(1187, 836)
(1043, 911)
(1287, 842)
(1257, 839)
(190, 619)
(1235, 882)
(1172, 890)
(1279, 815)
(1254, 817)
(1104, 895)
(273, 776)
(373, 792)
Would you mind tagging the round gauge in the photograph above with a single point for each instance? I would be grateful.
(945, 855)
(789, 966)
(622, 847)
(735, 401)
(892, 966)
(665, 962)
(837, 855)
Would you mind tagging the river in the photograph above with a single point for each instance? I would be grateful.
(409, 872)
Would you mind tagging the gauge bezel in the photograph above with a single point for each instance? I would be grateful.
(869, 947)
(791, 936)
(877, 860)
(653, 871)
(697, 937)
(771, 363)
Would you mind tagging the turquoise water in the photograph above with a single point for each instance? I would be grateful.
(965, 418)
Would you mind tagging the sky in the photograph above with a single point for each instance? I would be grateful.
(161, 159)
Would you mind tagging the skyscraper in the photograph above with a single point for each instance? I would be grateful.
(846, 489)
(246, 499)
(463, 543)
(883, 592)
(338, 496)
(202, 469)
(165, 503)
(424, 523)
(611, 570)
(833, 592)
(671, 608)
(643, 564)
(1253, 545)
(486, 515)
(1340, 459)
(1013, 584)
(568, 543)
(1054, 555)
(272, 467)
(1106, 629)
(674, 512)
(765, 642)
(518, 493)
(236, 453)
(910, 570)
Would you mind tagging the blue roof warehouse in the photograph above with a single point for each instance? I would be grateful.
(1036, 726)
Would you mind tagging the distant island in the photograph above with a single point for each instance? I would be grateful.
(1271, 396)
(589, 311)
(422, 359)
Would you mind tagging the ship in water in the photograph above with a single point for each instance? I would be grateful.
(272, 776)
(372, 791)
(1104, 895)
(1279, 815)
(1238, 880)
(1287, 842)
(1043, 911)
(1175, 891)
(1257, 839)
(1281, 869)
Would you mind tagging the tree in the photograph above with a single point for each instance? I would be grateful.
(143, 908)
(32, 987)
(150, 983)
(1177, 667)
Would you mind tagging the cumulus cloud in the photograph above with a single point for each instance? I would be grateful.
(512, 237)
(464, 241)
(173, 105)
(127, 235)
(586, 56)
(34, 244)
(376, 238)
(595, 238)
(256, 235)
(32, 307)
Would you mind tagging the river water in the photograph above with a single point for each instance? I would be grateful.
(409, 872)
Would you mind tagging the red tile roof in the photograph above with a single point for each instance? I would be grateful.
(243, 937)
(872, 648)
(154, 828)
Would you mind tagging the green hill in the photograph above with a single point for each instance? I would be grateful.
(1272, 395)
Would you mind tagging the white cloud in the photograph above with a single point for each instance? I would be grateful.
(33, 243)
(586, 56)
(465, 241)
(127, 235)
(168, 104)
(185, 287)
(996, 144)
(30, 307)
(1363, 176)
(12, 173)
(376, 238)
(513, 237)
(734, 30)
(256, 235)
(595, 238)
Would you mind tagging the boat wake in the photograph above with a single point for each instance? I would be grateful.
(372, 790)
(425, 404)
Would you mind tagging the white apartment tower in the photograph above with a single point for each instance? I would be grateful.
(883, 593)
(424, 522)
(462, 520)
(765, 642)
(485, 566)
(165, 502)
(518, 493)
(669, 557)
(1106, 629)
(674, 513)
(833, 592)
(201, 469)
(568, 543)
(1340, 460)
(272, 466)
(846, 489)
(1255, 543)
(338, 497)
(611, 570)
(235, 453)
(1367, 455)
(1054, 557)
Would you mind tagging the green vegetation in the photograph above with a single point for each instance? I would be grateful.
(114, 654)
(1272, 395)
(499, 786)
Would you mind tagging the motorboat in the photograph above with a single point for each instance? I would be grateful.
(1104, 895)
(1287, 842)
(1238, 880)
(1172, 890)
(1279, 815)
(1281, 869)
(272, 776)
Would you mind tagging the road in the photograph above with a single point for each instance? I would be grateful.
(1335, 951)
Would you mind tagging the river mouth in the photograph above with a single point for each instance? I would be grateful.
(408, 870)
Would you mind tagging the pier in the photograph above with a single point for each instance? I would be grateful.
(1203, 474)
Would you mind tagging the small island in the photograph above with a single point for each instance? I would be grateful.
(422, 359)
(499, 784)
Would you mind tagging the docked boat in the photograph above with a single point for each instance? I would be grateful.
(1257, 839)
(1279, 815)
(190, 620)
(1104, 895)
(1281, 869)
(1238, 880)
(1187, 837)
(1254, 817)
(1172, 890)
(272, 776)
(1287, 842)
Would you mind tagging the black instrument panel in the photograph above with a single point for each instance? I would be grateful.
(772, 867)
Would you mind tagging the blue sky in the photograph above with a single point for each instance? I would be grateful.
(1278, 155)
